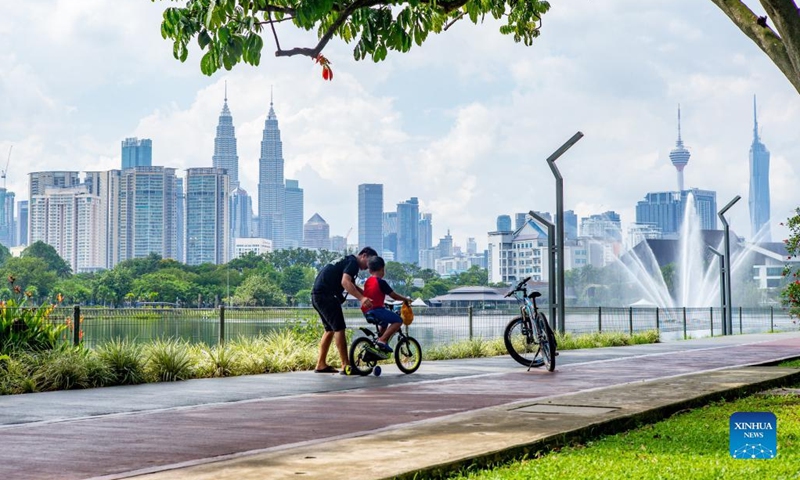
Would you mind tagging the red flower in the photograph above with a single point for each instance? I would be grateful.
(327, 73)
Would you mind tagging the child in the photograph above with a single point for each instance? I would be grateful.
(376, 290)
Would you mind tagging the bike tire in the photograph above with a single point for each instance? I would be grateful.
(359, 361)
(408, 355)
(547, 342)
(519, 344)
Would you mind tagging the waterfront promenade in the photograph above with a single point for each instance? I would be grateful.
(309, 425)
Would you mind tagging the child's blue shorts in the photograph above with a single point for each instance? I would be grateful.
(384, 316)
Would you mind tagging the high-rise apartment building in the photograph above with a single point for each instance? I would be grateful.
(207, 216)
(390, 232)
(605, 226)
(148, 213)
(408, 231)
(70, 219)
(225, 155)
(570, 225)
(425, 231)
(759, 186)
(519, 220)
(370, 216)
(137, 153)
(180, 216)
(504, 223)
(7, 227)
(293, 215)
(106, 186)
(271, 188)
(38, 183)
(445, 247)
(316, 233)
(241, 214)
(472, 246)
(22, 222)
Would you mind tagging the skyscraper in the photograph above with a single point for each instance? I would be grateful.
(148, 219)
(271, 189)
(293, 215)
(7, 230)
(519, 220)
(370, 216)
(180, 219)
(316, 233)
(37, 185)
(225, 155)
(665, 210)
(207, 216)
(241, 213)
(390, 232)
(137, 153)
(759, 185)
(570, 225)
(105, 185)
(504, 223)
(22, 222)
(425, 231)
(472, 246)
(679, 156)
(408, 231)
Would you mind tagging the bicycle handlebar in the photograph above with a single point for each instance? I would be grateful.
(518, 287)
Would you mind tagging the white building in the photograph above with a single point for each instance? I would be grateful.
(71, 221)
(639, 232)
(519, 254)
(243, 246)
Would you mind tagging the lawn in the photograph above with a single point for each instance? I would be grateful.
(692, 445)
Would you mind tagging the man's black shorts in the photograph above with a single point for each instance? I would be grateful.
(330, 310)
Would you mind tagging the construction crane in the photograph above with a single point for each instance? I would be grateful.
(345, 239)
(5, 170)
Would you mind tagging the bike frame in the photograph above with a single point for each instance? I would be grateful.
(529, 312)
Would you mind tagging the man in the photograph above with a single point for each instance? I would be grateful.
(327, 299)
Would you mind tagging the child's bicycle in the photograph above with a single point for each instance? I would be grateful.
(365, 354)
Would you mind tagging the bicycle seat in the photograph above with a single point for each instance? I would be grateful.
(370, 317)
(534, 295)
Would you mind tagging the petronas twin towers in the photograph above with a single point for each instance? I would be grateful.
(275, 209)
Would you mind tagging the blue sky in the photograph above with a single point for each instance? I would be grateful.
(463, 122)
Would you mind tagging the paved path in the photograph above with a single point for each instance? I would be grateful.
(117, 432)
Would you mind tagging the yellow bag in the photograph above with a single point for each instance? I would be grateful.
(406, 314)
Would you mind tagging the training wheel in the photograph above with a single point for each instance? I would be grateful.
(377, 371)
(348, 370)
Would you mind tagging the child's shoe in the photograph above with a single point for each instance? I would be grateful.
(383, 346)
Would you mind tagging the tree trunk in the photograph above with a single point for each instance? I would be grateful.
(783, 46)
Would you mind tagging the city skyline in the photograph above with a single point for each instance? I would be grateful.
(457, 150)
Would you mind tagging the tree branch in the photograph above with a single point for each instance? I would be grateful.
(786, 17)
(764, 37)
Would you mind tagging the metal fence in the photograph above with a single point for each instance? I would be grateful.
(432, 326)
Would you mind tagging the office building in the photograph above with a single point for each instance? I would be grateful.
(390, 232)
(180, 216)
(225, 155)
(408, 231)
(606, 226)
(665, 210)
(758, 200)
(256, 246)
(570, 225)
(106, 186)
(293, 218)
(317, 233)
(504, 223)
(445, 246)
(137, 153)
(338, 244)
(22, 222)
(425, 231)
(370, 216)
(271, 187)
(241, 214)
(519, 220)
(207, 216)
(7, 227)
(148, 216)
(472, 246)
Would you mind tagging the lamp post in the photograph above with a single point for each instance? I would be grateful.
(551, 267)
(560, 223)
(727, 240)
(721, 285)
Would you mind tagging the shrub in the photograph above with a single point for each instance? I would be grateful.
(168, 361)
(27, 328)
(124, 360)
(283, 354)
(70, 368)
(216, 361)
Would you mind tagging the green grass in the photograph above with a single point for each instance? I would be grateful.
(690, 445)
(791, 363)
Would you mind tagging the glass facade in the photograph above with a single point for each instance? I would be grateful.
(370, 216)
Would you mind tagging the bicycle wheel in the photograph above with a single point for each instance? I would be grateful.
(361, 360)
(519, 338)
(547, 340)
(408, 355)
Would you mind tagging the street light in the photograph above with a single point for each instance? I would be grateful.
(727, 232)
(721, 286)
(551, 265)
(560, 223)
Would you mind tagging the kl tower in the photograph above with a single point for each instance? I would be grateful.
(679, 155)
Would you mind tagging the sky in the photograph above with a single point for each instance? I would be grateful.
(464, 122)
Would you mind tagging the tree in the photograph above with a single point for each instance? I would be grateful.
(791, 293)
(5, 254)
(782, 45)
(230, 31)
(30, 274)
(75, 289)
(259, 290)
(54, 262)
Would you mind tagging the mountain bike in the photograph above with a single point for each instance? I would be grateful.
(364, 353)
(528, 338)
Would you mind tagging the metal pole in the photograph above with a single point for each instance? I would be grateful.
(684, 323)
(711, 317)
(560, 223)
(600, 319)
(76, 325)
(551, 271)
(771, 320)
(222, 324)
(727, 232)
(721, 287)
(630, 319)
(469, 313)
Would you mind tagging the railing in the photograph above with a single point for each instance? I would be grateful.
(432, 326)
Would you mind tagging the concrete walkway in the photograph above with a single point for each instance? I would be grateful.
(330, 426)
